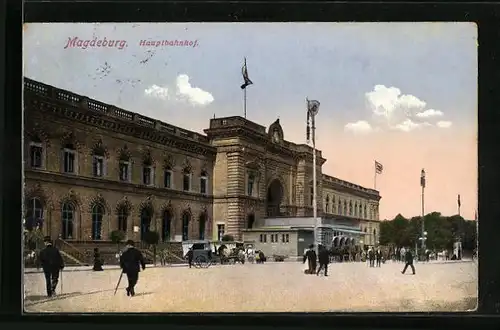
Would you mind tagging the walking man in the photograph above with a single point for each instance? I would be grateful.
(324, 259)
(310, 256)
(52, 263)
(378, 257)
(408, 261)
(371, 257)
(189, 256)
(131, 262)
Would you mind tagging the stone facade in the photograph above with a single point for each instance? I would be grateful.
(78, 149)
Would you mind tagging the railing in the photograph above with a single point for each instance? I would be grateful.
(71, 250)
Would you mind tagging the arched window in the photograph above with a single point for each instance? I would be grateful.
(350, 207)
(97, 215)
(333, 204)
(250, 185)
(185, 226)
(340, 207)
(203, 182)
(166, 226)
(122, 218)
(202, 224)
(186, 179)
(366, 215)
(34, 214)
(167, 176)
(345, 208)
(68, 218)
(147, 171)
(356, 209)
(327, 204)
(146, 216)
(360, 210)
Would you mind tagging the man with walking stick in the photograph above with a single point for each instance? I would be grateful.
(131, 262)
(52, 263)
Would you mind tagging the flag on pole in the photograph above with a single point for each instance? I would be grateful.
(422, 178)
(458, 201)
(379, 168)
(244, 72)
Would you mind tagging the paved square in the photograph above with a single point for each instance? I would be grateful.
(272, 287)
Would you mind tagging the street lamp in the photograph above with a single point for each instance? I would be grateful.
(312, 111)
(422, 184)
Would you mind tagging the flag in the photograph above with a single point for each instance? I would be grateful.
(379, 168)
(422, 178)
(244, 72)
(458, 201)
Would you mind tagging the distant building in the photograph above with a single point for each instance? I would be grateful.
(91, 168)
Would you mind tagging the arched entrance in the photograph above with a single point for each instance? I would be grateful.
(146, 215)
(335, 241)
(250, 220)
(275, 194)
(202, 225)
(166, 226)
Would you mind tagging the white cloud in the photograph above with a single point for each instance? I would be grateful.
(361, 126)
(158, 92)
(408, 125)
(430, 113)
(194, 95)
(444, 124)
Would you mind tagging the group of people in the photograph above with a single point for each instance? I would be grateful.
(375, 256)
(323, 257)
(52, 263)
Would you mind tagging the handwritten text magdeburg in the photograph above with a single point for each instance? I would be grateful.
(95, 43)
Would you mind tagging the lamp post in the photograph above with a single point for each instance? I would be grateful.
(312, 111)
(422, 184)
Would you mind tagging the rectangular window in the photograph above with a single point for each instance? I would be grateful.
(124, 171)
(265, 238)
(220, 231)
(186, 182)
(36, 152)
(146, 175)
(98, 166)
(312, 196)
(167, 179)
(69, 161)
(203, 185)
(287, 238)
(272, 238)
(261, 238)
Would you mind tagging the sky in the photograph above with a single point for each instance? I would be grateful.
(403, 94)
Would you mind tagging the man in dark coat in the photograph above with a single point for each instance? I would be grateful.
(408, 261)
(189, 256)
(97, 261)
(324, 259)
(310, 256)
(131, 262)
(52, 263)
(371, 257)
(378, 257)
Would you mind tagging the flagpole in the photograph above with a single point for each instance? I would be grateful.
(245, 102)
(375, 178)
(315, 206)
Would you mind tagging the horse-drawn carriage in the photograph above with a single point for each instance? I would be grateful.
(207, 253)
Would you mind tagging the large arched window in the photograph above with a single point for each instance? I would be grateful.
(202, 225)
(68, 219)
(186, 217)
(122, 218)
(146, 216)
(97, 215)
(34, 214)
(166, 225)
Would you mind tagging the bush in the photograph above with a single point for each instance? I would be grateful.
(151, 237)
(227, 238)
(117, 236)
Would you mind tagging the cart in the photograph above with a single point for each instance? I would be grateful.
(203, 257)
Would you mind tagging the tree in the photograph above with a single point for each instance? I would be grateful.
(152, 238)
(227, 238)
(117, 236)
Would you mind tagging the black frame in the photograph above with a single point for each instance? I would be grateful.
(486, 16)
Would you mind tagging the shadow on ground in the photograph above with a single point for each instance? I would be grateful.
(405, 305)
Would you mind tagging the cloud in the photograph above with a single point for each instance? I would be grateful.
(393, 110)
(444, 124)
(430, 113)
(408, 125)
(361, 126)
(194, 95)
(157, 92)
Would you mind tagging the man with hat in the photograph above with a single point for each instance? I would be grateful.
(52, 263)
(131, 262)
(310, 257)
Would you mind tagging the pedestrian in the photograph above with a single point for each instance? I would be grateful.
(52, 263)
(378, 257)
(402, 254)
(310, 256)
(408, 261)
(131, 261)
(97, 261)
(189, 256)
(371, 257)
(323, 258)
